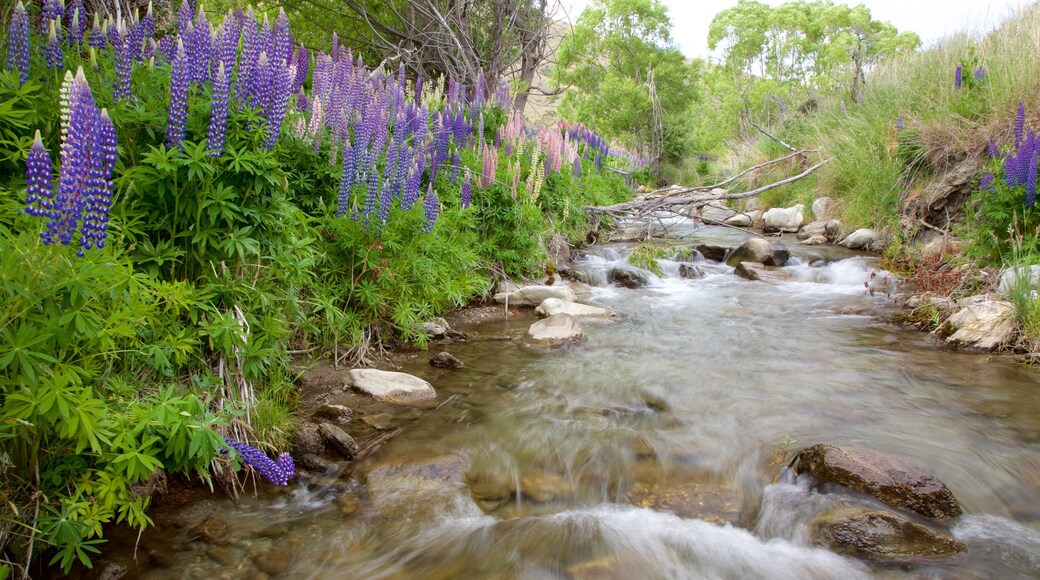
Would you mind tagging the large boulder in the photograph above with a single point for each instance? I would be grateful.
(535, 295)
(554, 306)
(780, 219)
(861, 239)
(830, 228)
(713, 252)
(391, 386)
(880, 533)
(1009, 278)
(759, 250)
(744, 220)
(554, 330)
(984, 324)
(883, 476)
(627, 277)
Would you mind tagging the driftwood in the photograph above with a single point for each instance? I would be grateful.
(681, 200)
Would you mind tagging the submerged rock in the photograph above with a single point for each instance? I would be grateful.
(555, 330)
(984, 324)
(338, 439)
(880, 533)
(554, 306)
(713, 502)
(545, 486)
(784, 219)
(444, 360)
(885, 477)
(391, 386)
(628, 278)
(759, 250)
(535, 295)
(756, 271)
(442, 472)
(691, 271)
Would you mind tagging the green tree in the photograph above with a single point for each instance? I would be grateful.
(628, 78)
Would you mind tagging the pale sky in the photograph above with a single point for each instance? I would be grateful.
(932, 20)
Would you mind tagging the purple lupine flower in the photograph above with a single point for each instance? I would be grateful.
(302, 64)
(124, 63)
(456, 166)
(18, 43)
(144, 30)
(1020, 122)
(899, 123)
(346, 180)
(412, 184)
(245, 89)
(285, 461)
(1031, 176)
(53, 52)
(986, 183)
(993, 153)
(75, 25)
(98, 201)
(271, 470)
(467, 191)
(980, 73)
(200, 49)
(577, 166)
(180, 82)
(385, 201)
(226, 45)
(279, 45)
(97, 35)
(958, 78)
(39, 181)
(334, 53)
(371, 195)
(278, 100)
(431, 209)
(218, 115)
(53, 11)
(184, 14)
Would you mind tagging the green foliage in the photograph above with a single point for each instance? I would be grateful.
(616, 47)
(645, 256)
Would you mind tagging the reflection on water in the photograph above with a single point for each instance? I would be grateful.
(563, 456)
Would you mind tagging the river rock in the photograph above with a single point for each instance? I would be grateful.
(436, 328)
(815, 241)
(391, 386)
(553, 306)
(784, 219)
(883, 476)
(821, 206)
(554, 330)
(830, 229)
(713, 252)
(312, 462)
(441, 472)
(759, 250)
(714, 502)
(214, 531)
(545, 486)
(444, 360)
(379, 422)
(338, 439)
(629, 278)
(861, 239)
(716, 212)
(880, 533)
(984, 325)
(333, 414)
(308, 440)
(756, 271)
(691, 271)
(1010, 276)
(535, 295)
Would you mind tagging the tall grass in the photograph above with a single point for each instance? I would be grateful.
(868, 175)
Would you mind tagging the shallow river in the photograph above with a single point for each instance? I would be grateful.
(573, 463)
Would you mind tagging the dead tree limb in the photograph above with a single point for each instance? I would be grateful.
(747, 115)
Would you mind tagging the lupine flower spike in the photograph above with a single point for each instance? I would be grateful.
(277, 471)
(18, 43)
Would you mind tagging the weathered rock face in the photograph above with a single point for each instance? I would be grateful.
(444, 360)
(830, 229)
(391, 386)
(788, 219)
(555, 330)
(880, 475)
(984, 324)
(759, 250)
(861, 239)
(535, 295)
(628, 278)
(554, 306)
(815, 241)
(691, 271)
(308, 440)
(880, 533)
(338, 439)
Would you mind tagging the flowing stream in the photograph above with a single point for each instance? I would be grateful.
(645, 450)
